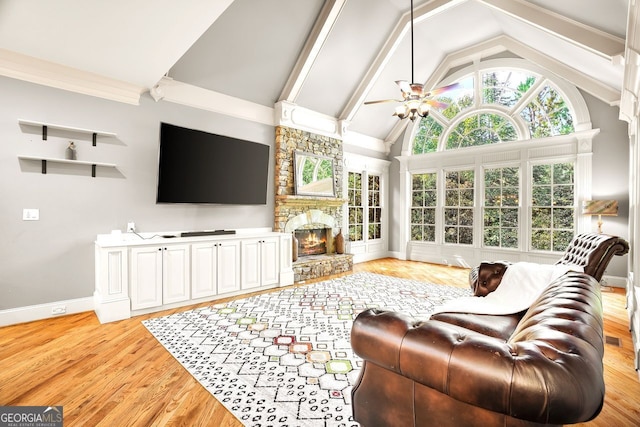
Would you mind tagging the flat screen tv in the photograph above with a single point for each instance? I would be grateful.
(200, 167)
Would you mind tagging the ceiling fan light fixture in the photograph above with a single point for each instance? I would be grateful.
(412, 109)
(401, 111)
(423, 110)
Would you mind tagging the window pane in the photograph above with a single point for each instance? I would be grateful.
(416, 232)
(452, 198)
(430, 198)
(492, 196)
(541, 196)
(563, 218)
(354, 207)
(561, 239)
(481, 129)
(459, 99)
(491, 217)
(466, 197)
(509, 238)
(510, 196)
(416, 215)
(505, 87)
(423, 203)
(429, 233)
(541, 217)
(541, 174)
(375, 212)
(553, 212)
(510, 217)
(466, 236)
(451, 216)
(429, 216)
(563, 195)
(426, 139)
(459, 202)
(501, 223)
(548, 114)
(450, 235)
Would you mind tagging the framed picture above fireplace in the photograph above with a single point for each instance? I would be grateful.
(313, 175)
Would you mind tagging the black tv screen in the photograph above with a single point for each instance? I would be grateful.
(200, 167)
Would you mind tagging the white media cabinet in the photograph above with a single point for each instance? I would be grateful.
(138, 274)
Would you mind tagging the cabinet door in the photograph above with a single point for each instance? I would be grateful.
(269, 261)
(251, 264)
(175, 273)
(146, 277)
(228, 266)
(204, 268)
(112, 275)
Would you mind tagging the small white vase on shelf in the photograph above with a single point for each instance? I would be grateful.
(71, 153)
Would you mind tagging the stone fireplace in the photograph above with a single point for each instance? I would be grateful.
(303, 214)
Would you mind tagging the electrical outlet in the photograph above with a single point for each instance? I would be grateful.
(61, 309)
(131, 227)
(30, 214)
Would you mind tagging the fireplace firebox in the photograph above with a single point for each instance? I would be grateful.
(311, 241)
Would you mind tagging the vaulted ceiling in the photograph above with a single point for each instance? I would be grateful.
(243, 57)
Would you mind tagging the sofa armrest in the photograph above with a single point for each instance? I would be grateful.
(486, 277)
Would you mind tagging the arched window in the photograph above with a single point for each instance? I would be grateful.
(494, 106)
(502, 162)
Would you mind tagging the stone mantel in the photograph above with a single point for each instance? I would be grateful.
(307, 200)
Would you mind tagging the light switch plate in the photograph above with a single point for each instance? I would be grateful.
(30, 214)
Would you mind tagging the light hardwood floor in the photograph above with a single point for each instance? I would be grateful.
(117, 374)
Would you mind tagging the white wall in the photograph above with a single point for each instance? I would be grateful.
(52, 259)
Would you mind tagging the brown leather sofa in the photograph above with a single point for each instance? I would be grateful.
(542, 366)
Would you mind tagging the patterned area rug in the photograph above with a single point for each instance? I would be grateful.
(283, 358)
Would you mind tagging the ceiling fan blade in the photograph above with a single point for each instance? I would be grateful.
(382, 101)
(404, 85)
(436, 104)
(443, 89)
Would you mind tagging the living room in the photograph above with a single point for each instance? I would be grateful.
(50, 264)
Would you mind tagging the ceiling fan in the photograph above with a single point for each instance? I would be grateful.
(415, 101)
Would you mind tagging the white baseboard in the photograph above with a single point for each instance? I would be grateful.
(614, 281)
(398, 255)
(30, 313)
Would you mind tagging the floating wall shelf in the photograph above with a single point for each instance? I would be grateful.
(46, 126)
(44, 161)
